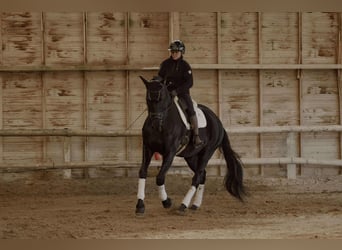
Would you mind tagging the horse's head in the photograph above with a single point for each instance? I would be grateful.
(157, 95)
(158, 99)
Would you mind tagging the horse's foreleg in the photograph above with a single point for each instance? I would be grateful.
(160, 181)
(147, 156)
(166, 201)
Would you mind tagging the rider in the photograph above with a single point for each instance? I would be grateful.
(177, 74)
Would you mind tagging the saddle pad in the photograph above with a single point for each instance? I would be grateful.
(202, 121)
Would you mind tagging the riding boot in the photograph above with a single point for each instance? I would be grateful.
(194, 124)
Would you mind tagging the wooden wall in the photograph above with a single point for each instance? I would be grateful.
(80, 71)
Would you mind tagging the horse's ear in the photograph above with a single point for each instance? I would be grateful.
(144, 80)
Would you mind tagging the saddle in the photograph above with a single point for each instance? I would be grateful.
(202, 121)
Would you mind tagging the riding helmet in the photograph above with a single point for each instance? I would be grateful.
(177, 45)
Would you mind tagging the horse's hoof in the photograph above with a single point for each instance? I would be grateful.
(194, 207)
(139, 214)
(140, 208)
(139, 211)
(167, 203)
(181, 210)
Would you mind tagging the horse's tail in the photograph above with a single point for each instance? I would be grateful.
(234, 177)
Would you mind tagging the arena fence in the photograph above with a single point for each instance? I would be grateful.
(291, 160)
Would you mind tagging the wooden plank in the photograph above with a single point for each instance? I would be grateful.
(280, 97)
(85, 89)
(43, 120)
(127, 30)
(138, 110)
(128, 115)
(42, 37)
(260, 91)
(239, 109)
(85, 140)
(22, 149)
(284, 129)
(291, 152)
(106, 38)
(279, 37)
(248, 162)
(339, 73)
(323, 146)
(198, 32)
(107, 113)
(64, 109)
(21, 43)
(266, 66)
(137, 101)
(174, 26)
(68, 133)
(300, 77)
(239, 38)
(240, 91)
(300, 38)
(21, 100)
(21, 109)
(219, 80)
(64, 38)
(64, 95)
(260, 38)
(320, 107)
(85, 109)
(1, 42)
(320, 97)
(279, 108)
(1, 108)
(137, 132)
(85, 34)
(204, 90)
(146, 67)
(148, 37)
(106, 100)
(319, 37)
(218, 37)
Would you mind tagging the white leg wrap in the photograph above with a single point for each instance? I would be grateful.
(199, 196)
(188, 196)
(162, 192)
(141, 189)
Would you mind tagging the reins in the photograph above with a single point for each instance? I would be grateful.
(136, 119)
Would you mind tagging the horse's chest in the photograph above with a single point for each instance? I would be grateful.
(153, 138)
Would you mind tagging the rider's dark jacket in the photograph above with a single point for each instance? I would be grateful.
(177, 75)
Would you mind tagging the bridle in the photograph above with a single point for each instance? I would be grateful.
(159, 116)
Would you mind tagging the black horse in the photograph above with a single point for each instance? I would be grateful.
(165, 133)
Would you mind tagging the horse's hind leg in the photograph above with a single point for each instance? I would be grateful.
(197, 165)
(199, 194)
(193, 191)
(197, 186)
